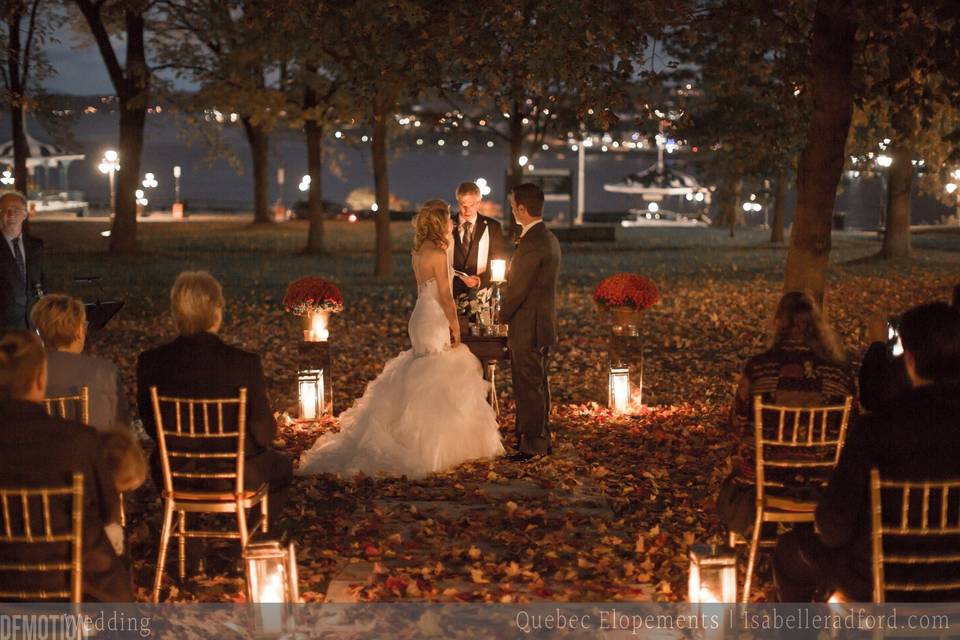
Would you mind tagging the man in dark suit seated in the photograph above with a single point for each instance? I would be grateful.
(913, 437)
(198, 364)
(477, 240)
(21, 264)
(37, 450)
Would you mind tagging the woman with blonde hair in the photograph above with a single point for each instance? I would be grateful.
(427, 411)
(802, 366)
(62, 324)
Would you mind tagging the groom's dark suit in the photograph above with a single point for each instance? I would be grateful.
(529, 307)
(466, 256)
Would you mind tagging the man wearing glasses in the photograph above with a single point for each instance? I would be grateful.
(477, 240)
(21, 264)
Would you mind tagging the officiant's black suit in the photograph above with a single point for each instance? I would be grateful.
(529, 307)
(17, 296)
(37, 450)
(204, 366)
(466, 256)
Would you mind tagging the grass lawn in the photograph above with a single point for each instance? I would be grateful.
(657, 472)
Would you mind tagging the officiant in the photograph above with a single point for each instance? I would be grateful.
(477, 240)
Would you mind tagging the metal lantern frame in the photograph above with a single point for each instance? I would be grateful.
(314, 393)
(618, 398)
(713, 574)
(271, 576)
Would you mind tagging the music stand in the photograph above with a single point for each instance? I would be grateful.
(100, 313)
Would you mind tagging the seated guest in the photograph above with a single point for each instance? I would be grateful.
(39, 450)
(803, 367)
(913, 437)
(882, 374)
(198, 364)
(62, 324)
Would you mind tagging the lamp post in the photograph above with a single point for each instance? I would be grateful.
(951, 188)
(177, 209)
(883, 161)
(110, 165)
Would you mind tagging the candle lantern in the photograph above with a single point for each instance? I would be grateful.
(619, 388)
(317, 323)
(713, 574)
(271, 573)
(498, 271)
(315, 393)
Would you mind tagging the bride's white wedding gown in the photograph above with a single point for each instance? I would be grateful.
(426, 412)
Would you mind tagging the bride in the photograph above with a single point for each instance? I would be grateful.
(427, 410)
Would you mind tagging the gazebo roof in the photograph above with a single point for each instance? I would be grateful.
(39, 153)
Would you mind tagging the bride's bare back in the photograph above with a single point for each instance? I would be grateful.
(430, 263)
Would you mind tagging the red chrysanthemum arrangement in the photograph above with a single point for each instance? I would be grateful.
(626, 290)
(312, 294)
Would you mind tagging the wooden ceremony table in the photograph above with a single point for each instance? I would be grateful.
(489, 350)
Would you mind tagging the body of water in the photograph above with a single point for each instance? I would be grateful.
(417, 174)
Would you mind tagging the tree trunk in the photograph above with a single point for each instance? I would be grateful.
(779, 206)
(896, 235)
(259, 146)
(314, 135)
(133, 96)
(729, 213)
(18, 99)
(381, 182)
(133, 117)
(515, 174)
(821, 161)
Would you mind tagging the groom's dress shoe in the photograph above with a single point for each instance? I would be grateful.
(520, 457)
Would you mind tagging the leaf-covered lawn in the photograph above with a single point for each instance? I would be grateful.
(609, 516)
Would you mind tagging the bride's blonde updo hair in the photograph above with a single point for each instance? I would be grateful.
(432, 223)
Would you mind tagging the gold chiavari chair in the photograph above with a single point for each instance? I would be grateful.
(927, 510)
(75, 407)
(795, 446)
(20, 528)
(195, 463)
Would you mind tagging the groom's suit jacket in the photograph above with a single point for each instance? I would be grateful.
(529, 304)
(474, 258)
(16, 296)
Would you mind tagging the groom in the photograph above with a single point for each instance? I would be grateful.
(529, 307)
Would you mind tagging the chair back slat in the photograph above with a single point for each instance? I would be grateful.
(29, 533)
(202, 447)
(915, 549)
(70, 407)
(797, 440)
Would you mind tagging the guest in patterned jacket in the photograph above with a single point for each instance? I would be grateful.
(803, 366)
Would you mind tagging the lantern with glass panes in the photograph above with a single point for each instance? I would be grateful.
(713, 574)
(271, 573)
(314, 393)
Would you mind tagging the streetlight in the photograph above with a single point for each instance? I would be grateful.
(883, 161)
(484, 187)
(176, 183)
(7, 178)
(951, 188)
(110, 165)
(149, 182)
